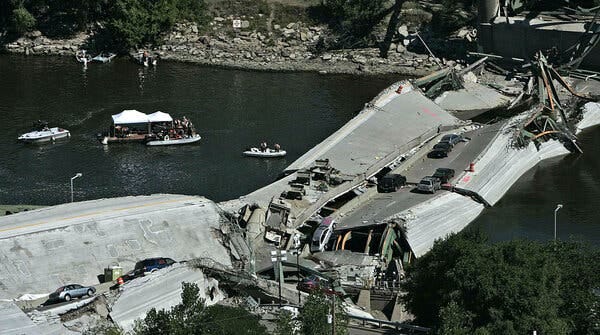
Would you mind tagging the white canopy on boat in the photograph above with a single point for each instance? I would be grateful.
(130, 116)
(160, 117)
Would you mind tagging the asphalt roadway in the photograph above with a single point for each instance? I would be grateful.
(380, 206)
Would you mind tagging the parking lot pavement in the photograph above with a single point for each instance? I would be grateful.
(384, 205)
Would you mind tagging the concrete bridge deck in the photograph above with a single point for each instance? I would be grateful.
(43, 249)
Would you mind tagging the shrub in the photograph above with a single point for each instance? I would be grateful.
(22, 20)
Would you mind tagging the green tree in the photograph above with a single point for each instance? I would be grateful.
(313, 315)
(192, 317)
(466, 285)
(354, 20)
(22, 21)
(134, 23)
(285, 323)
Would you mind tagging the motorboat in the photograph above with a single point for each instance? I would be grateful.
(104, 57)
(83, 57)
(267, 153)
(166, 140)
(146, 59)
(43, 133)
(153, 129)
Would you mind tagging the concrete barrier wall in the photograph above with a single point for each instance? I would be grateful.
(44, 249)
(436, 219)
(502, 165)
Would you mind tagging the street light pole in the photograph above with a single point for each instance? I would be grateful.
(277, 256)
(558, 207)
(79, 174)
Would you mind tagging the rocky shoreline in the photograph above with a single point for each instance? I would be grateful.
(282, 49)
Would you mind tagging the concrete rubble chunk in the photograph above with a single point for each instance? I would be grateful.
(403, 31)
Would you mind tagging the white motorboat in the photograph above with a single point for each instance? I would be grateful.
(267, 153)
(104, 57)
(44, 134)
(175, 141)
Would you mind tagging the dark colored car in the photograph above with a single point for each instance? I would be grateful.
(443, 145)
(68, 292)
(391, 182)
(439, 152)
(444, 174)
(149, 265)
(314, 283)
(451, 139)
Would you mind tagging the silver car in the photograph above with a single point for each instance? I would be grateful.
(68, 292)
(322, 235)
(429, 184)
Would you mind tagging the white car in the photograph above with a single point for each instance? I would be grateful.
(322, 235)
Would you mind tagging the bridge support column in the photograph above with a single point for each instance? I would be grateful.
(364, 299)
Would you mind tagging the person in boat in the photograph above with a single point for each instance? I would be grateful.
(277, 147)
(263, 146)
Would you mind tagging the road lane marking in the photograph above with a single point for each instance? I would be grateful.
(91, 214)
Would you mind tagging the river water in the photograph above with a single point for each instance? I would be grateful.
(231, 109)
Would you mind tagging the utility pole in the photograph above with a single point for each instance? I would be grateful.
(333, 314)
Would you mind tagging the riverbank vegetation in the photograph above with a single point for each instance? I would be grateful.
(466, 285)
(122, 25)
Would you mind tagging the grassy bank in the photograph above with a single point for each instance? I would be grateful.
(8, 209)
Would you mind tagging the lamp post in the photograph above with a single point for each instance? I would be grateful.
(79, 174)
(558, 207)
(278, 256)
(297, 246)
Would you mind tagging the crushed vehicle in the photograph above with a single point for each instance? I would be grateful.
(391, 182)
(429, 184)
(444, 174)
(314, 283)
(68, 292)
(322, 234)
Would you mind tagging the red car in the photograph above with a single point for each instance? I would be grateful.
(314, 283)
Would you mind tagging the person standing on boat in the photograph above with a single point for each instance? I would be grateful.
(263, 146)
(277, 146)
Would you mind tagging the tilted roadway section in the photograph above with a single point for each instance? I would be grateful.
(72, 243)
(391, 125)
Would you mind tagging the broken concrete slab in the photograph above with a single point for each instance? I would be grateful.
(160, 290)
(14, 321)
(401, 120)
(471, 101)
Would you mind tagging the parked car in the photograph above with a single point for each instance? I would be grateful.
(68, 292)
(444, 174)
(440, 151)
(149, 265)
(429, 184)
(322, 235)
(314, 283)
(391, 182)
(451, 139)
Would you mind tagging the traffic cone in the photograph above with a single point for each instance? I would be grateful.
(472, 167)
(120, 281)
